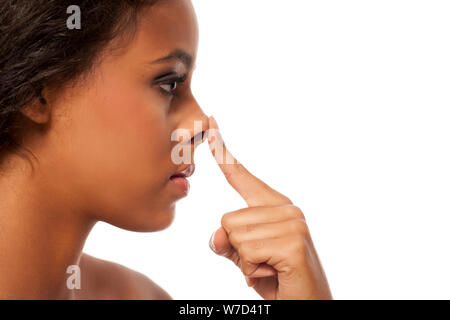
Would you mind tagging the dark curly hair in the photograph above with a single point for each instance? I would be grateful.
(37, 49)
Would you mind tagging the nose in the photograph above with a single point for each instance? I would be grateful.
(196, 122)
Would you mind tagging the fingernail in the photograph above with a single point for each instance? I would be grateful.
(211, 242)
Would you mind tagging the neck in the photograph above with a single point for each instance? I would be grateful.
(41, 235)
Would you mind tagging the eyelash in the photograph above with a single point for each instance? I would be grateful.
(177, 79)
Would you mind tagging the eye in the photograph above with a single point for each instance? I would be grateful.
(169, 87)
(170, 82)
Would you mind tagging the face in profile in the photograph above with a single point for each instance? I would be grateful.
(109, 146)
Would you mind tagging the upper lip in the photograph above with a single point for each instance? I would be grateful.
(185, 171)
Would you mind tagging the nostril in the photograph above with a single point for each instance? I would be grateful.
(199, 138)
(204, 135)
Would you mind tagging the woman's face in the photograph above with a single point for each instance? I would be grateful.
(109, 148)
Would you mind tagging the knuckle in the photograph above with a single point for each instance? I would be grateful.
(299, 227)
(226, 220)
(295, 256)
(244, 249)
(294, 246)
(247, 268)
(247, 249)
(295, 212)
(299, 246)
(257, 244)
(233, 238)
(249, 227)
(246, 254)
(281, 198)
(250, 258)
(289, 270)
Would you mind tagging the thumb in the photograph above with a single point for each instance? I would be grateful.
(219, 243)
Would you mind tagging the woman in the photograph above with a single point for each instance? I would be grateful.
(86, 122)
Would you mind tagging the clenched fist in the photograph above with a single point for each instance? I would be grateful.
(269, 241)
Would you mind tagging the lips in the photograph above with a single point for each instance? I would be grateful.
(179, 179)
(184, 172)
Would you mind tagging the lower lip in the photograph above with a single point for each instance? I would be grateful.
(181, 183)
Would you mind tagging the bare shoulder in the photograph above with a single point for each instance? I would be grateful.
(101, 279)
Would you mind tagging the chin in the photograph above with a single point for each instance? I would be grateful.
(147, 221)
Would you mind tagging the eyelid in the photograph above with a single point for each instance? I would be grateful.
(171, 77)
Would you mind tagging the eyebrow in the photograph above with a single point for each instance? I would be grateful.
(177, 54)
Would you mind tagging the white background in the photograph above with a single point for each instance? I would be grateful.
(344, 106)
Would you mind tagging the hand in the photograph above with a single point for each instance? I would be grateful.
(269, 241)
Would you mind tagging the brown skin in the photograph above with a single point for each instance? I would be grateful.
(104, 154)
(106, 280)
(97, 155)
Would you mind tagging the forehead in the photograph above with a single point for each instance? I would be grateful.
(165, 26)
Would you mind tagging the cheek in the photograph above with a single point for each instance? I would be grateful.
(133, 125)
(124, 141)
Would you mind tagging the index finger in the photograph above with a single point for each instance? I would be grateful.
(254, 191)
